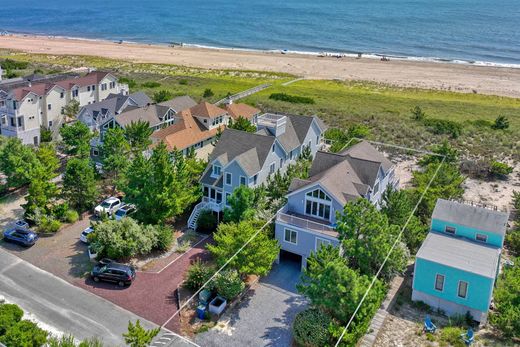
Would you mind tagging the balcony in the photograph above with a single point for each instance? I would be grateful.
(212, 204)
(305, 222)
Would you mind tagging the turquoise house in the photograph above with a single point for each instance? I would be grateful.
(458, 262)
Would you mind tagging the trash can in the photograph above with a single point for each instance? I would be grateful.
(201, 311)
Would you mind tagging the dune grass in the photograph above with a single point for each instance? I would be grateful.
(386, 110)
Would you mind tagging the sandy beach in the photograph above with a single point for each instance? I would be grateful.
(404, 73)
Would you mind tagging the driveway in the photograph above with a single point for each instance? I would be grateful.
(265, 317)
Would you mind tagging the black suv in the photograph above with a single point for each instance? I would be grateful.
(113, 272)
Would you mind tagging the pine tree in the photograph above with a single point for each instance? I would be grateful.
(79, 184)
(137, 336)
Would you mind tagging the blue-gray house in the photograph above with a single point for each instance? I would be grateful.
(458, 262)
(308, 219)
(243, 158)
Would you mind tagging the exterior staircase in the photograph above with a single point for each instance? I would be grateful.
(192, 221)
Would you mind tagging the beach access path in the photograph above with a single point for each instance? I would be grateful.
(416, 74)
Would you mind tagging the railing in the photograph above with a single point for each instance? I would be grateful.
(195, 213)
(305, 223)
(212, 204)
(243, 94)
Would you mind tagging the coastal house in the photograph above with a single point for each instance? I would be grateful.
(40, 102)
(97, 113)
(243, 110)
(242, 158)
(459, 261)
(308, 219)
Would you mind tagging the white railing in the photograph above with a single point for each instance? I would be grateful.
(305, 223)
(212, 204)
(195, 213)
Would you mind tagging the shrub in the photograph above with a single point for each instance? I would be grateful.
(228, 284)
(9, 64)
(291, 98)
(10, 314)
(183, 82)
(71, 216)
(513, 241)
(151, 84)
(208, 93)
(207, 222)
(161, 95)
(442, 126)
(64, 341)
(164, 237)
(131, 83)
(24, 333)
(506, 316)
(310, 328)
(60, 211)
(498, 169)
(516, 200)
(501, 122)
(45, 134)
(48, 224)
(418, 113)
(451, 336)
(198, 274)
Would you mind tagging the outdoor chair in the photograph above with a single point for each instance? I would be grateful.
(468, 337)
(429, 327)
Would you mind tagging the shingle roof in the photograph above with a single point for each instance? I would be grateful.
(115, 103)
(150, 113)
(242, 110)
(180, 103)
(207, 110)
(471, 216)
(347, 175)
(460, 254)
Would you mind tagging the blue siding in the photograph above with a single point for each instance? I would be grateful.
(470, 233)
(479, 288)
(296, 203)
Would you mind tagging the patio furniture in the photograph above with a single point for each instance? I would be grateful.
(429, 327)
(217, 305)
(468, 337)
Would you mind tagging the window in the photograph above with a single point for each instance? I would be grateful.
(75, 93)
(255, 179)
(35, 140)
(243, 180)
(212, 195)
(219, 197)
(272, 148)
(13, 122)
(376, 188)
(95, 152)
(462, 291)
(450, 230)
(317, 139)
(281, 162)
(112, 85)
(104, 86)
(272, 168)
(50, 124)
(93, 87)
(290, 155)
(227, 198)
(481, 237)
(62, 95)
(88, 88)
(291, 236)
(20, 121)
(318, 204)
(321, 242)
(206, 191)
(228, 178)
(49, 107)
(15, 105)
(216, 170)
(439, 282)
(4, 119)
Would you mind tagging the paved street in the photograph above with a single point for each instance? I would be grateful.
(265, 317)
(60, 304)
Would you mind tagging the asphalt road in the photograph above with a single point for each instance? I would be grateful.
(61, 305)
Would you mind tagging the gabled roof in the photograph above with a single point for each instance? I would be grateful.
(39, 89)
(180, 103)
(116, 103)
(347, 175)
(459, 253)
(89, 79)
(242, 110)
(472, 216)
(152, 114)
(207, 110)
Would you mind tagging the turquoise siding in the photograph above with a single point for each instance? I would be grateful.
(479, 288)
(470, 233)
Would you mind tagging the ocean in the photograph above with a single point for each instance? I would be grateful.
(485, 32)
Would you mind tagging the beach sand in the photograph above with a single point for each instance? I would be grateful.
(429, 75)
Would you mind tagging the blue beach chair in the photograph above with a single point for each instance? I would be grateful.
(468, 337)
(429, 327)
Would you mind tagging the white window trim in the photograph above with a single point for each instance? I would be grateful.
(458, 290)
(322, 239)
(435, 282)
(483, 241)
(240, 180)
(230, 179)
(270, 165)
(285, 233)
(213, 174)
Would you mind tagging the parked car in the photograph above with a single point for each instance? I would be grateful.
(124, 211)
(113, 272)
(84, 234)
(108, 206)
(21, 236)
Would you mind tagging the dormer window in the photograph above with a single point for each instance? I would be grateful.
(216, 170)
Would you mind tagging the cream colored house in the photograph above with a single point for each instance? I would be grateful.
(24, 109)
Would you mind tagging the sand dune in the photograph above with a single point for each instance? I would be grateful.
(445, 76)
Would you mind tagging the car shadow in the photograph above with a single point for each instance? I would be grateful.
(104, 285)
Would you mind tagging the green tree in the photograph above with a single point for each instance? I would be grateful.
(47, 157)
(501, 122)
(10, 314)
(17, 161)
(137, 336)
(138, 136)
(367, 237)
(114, 154)
(161, 96)
(79, 184)
(208, 93)
(445, 150)
(71, 109)
(24, 334)
(228, 284)
(41, 193)
(242, 124)
(506, 315)
(241, 205)
(45, 134)
(76, 138)
(256, 258)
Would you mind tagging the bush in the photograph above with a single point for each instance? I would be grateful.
(501, 122)
(183, 82)
(164, 237)
(45, 134)
(418, 113)
(71, 216)
(131, 83)
(442, 126)
(48, 225)
(198, 274)
(498, 169)
(310, 328)
(9, 64)
(506, 316)
(291, 98)
(24, 333)
(10, 314)
(162, 95)
(228, 284)
(208, 93)
(207, 222)
(451, 336)
(151, 84)
(60, 211)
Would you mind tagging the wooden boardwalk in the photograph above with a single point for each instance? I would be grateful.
(243, 94)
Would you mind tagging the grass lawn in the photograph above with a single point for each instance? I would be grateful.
(384, 109)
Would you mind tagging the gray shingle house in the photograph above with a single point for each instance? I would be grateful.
(242, 158)
(308, 219)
